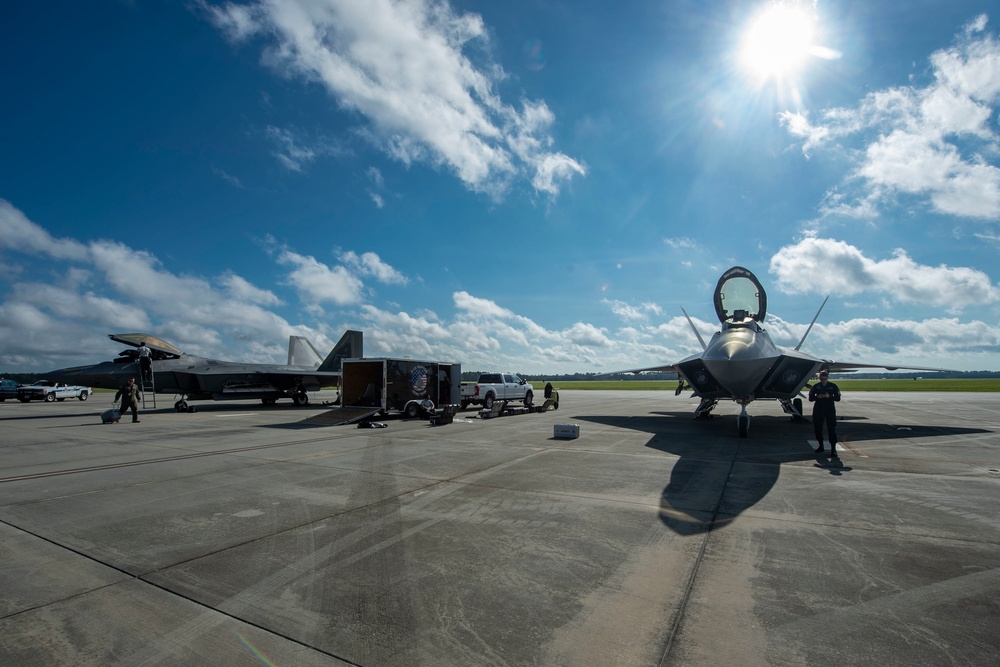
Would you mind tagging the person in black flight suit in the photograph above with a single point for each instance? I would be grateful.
(824, 397)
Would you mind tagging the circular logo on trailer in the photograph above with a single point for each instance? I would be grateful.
(418, 380)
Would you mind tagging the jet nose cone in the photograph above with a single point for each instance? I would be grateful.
(735, 346)
(739, 362)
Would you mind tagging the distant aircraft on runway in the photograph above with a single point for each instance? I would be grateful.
(742, 364)
(197, 378)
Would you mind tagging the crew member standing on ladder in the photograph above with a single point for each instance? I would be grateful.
(146, 362)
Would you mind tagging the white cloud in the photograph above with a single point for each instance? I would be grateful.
(228, 178)
(935, 342)
(935, 142)
(587, 335)
(370, 264)
(681, 243)
(318, 283)
(290, 153)
(242, 289)
(840, 268)
(19, 233)
(628, 312)
(403, 65)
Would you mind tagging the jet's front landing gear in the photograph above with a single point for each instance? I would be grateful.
(743, 422)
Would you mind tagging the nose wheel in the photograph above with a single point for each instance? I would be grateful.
(743, 423)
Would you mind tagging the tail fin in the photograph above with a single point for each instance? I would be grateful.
(813, 322)
(301, 352)
(695, 329)
(350, 346)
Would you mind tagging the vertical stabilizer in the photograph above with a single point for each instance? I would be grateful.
(350, 346)
(813, 322)
(694, 329)
(301, 352)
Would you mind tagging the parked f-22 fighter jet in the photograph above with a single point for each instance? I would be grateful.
(742, 364)
(197, 378)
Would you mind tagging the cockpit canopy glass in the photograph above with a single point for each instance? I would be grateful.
(739, 297)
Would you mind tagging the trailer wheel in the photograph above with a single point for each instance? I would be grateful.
(412, 410)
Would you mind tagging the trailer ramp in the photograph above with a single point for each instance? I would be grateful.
(343, 415)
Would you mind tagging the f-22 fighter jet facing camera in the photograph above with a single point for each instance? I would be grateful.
(742, 364)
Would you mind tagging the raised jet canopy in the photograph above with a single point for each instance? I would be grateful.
(152, 342)
(739, 296)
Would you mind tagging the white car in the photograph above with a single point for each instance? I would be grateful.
(48, 391)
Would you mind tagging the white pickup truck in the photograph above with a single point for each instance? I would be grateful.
(48, 391)
(496, 387)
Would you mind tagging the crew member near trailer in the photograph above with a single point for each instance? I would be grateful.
(824, 396)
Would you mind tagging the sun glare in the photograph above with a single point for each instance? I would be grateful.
(778, 41)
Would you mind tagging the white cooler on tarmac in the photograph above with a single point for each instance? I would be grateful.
(568, 431)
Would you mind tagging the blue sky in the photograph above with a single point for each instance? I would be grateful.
(529, 186)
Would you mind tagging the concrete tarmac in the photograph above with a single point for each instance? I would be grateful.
(238, 535)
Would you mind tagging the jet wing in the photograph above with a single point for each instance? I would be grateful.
(850, 367)
(152, 342)
(671, 368)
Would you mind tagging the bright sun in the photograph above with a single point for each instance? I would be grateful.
(778, 41)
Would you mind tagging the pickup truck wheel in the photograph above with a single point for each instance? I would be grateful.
(488, 402)
(528, 399)
(83, 396)
(49, 398)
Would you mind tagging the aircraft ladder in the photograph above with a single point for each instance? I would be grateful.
(147, 386)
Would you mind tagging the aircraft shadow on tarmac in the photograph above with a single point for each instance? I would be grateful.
(708, 489)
